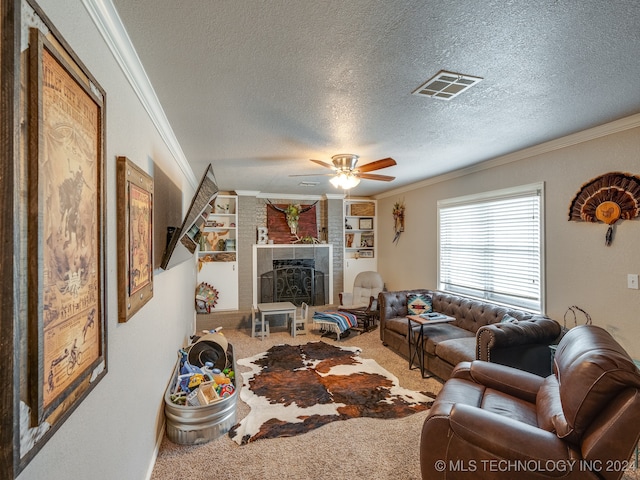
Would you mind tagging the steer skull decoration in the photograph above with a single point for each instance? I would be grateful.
(292, 214)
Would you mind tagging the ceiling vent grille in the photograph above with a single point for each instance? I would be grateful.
(446, 85)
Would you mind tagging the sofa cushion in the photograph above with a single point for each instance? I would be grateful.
(457, 350)
(397, 325)
(418, 303)
(440, 332)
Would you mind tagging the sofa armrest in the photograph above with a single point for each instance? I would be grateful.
(512, 381)
(538, 330)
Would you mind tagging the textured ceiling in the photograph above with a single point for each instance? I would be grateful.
(257, 88)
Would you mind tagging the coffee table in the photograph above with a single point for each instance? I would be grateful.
(422, 320)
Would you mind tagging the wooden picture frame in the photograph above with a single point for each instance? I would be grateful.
(135, 238)
(365, 253)
(365, 223)
(366, 209)
(66, 349)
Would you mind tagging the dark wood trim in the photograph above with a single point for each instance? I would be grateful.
(9, 118)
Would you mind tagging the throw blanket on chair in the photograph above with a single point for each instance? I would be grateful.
(338, 322)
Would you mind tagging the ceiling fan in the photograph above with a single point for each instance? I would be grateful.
(347, 174)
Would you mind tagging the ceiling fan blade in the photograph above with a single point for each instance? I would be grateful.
(312, 174)
(375, 176)
(324, 164)
(377, 165)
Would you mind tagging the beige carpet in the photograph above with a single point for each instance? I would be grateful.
(356, 449)
(362, 448)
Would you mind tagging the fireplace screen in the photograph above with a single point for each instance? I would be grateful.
(294, 281)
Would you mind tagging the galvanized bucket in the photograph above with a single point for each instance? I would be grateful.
(187, 425)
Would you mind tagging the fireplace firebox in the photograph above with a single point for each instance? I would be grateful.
(293, 280)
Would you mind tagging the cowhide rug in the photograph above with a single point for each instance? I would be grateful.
(292, 389)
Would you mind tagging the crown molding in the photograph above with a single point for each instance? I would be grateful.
(604, 130)
(247, 193)
(288, 196)
(335, 196)
(108, 23)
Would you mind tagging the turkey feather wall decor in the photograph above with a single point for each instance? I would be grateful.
(607, 198)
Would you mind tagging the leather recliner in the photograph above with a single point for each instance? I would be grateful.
(491, 421)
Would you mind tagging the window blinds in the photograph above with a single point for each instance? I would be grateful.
(490, 246)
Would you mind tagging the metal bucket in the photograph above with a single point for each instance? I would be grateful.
(187, 425)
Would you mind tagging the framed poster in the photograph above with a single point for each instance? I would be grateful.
(66, 352)
(135, 238)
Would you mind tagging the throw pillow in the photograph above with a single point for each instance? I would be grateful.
(508, 319)
(418, 303)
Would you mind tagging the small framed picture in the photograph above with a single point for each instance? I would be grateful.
(135, 238)
(366, 240)
(365, 223)
(365, 253)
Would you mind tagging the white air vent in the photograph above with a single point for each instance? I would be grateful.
(446, 85)
(309, 184)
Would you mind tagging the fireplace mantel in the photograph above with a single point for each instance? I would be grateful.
(264, 254)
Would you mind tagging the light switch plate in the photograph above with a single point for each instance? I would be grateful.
(632, 281)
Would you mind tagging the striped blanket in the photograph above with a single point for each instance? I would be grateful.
(343, 320)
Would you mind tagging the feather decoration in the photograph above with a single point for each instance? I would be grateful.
(620, 188)
(607, 198)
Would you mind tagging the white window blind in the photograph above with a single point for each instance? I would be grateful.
(490, 246)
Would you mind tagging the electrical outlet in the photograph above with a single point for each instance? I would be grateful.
(632, 281)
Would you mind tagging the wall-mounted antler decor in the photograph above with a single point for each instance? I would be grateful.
(300, 221)
(607, 198)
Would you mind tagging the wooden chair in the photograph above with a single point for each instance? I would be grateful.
(299, 325)
(256, 325)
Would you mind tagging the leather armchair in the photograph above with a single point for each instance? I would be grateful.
(491, 421)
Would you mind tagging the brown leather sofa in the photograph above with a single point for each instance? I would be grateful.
(494, 422)
(478, 333)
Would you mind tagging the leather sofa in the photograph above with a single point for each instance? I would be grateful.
(478, 333)
(495, 422)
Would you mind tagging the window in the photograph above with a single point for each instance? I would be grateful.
(490, 246)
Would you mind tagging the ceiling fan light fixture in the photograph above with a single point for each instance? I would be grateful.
(345, 161)
(345, 180)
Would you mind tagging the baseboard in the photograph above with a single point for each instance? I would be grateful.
(156, 450)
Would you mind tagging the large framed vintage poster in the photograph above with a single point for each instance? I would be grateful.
(66, 230)
(135, 238)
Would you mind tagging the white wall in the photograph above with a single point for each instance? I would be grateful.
(580, 269)
(114, 432)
